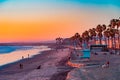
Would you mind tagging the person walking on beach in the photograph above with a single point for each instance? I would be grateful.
(69, 58)
(28, 56)
(21, 66)
(22, 57)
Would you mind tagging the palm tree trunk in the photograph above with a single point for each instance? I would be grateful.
(100, 41)
(105, 41)
(114, 44)
(95, 40)
(108, 42)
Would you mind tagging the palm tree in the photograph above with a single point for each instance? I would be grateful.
(92, 34)
(86, 37)
(72, 40)
(83, 38)
(75, 39)
(117, 32)
(59, 40)
(115, 23)
(103, 29)
(107, 37)
(99, 30)
(112, 35)
(80, 40)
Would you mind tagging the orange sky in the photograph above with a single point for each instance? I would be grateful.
(38, 20)
(34, 30)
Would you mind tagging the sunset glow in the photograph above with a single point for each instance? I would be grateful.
(39, 20)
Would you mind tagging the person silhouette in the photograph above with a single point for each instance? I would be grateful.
(39, 67)
(21, 66)
(22, 57)
(28, 55)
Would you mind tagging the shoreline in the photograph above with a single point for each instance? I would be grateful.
(46, 58)
(18, 53)
(22, 60)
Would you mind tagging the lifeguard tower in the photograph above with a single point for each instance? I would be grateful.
(85, 54)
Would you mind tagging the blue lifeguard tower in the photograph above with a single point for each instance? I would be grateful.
(85, 54)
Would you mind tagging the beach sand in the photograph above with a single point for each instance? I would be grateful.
(97, 72)
(52, 62)
(54, 67)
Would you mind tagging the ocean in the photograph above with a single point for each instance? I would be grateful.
(10, 54)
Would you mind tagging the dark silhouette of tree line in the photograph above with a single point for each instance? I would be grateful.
(107, 33)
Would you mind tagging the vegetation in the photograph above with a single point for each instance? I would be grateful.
(107, 34)
(102, 34)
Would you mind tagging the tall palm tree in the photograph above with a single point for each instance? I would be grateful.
(86, 37)
(99, 30)
(75, 39)
(80, 41)
(92, 34)
(107, 36)
(103, 29)
(83, 37)
(77, 36)
(115, 24)
(112, 35)
(72, 40)
(117, 32)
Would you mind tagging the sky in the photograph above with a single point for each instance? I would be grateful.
(42, 20)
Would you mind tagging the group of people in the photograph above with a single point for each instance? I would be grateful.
(22, 66)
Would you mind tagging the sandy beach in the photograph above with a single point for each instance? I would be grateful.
(20, 54)
(94, 70)
(52, 63)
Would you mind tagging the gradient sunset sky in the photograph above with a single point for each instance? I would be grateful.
(39, 20)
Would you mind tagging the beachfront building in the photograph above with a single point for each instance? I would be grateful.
(98, 49)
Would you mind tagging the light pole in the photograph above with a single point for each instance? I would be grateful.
(119, 40)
